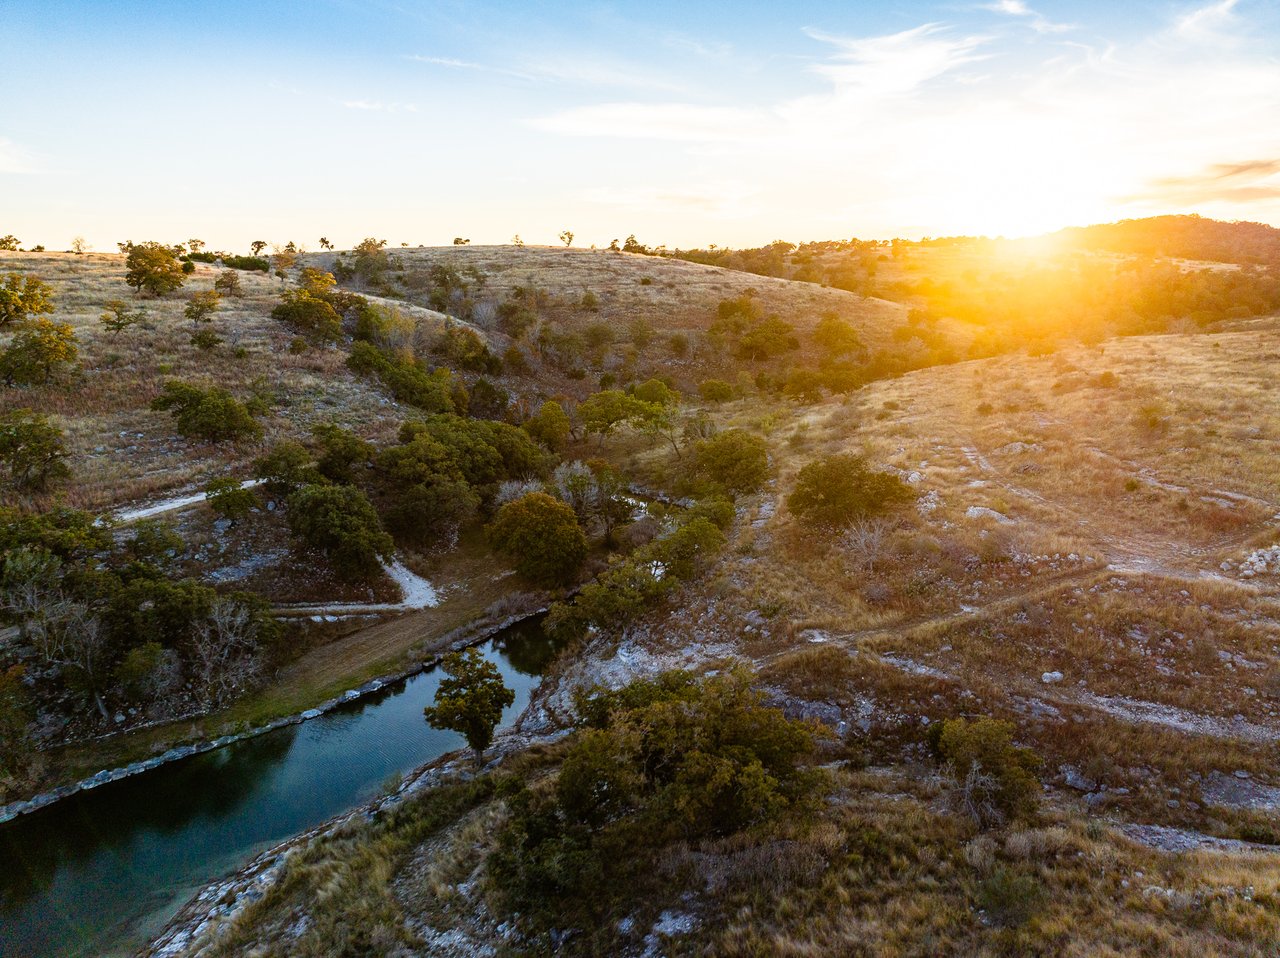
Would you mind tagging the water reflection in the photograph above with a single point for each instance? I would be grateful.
(98, 873)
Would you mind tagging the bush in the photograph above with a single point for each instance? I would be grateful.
(309, 315)
(834, 491)
(341, 522)
(256, 264)
(715, 390)
(286, 467)
(408, 381)
(549, 426)
(211, 415)
(995, 779)
(734, 460)
(542, 535)
(661, 760)
(229, 498)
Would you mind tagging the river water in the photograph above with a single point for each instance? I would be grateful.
(100, 873)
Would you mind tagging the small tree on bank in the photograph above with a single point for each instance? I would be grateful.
(470, 699)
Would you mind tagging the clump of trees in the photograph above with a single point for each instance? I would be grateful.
(111, 626)
(647, 575)
(834, 491)
(659, 761)
(209, 415)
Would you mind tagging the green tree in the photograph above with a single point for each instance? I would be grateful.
(153, 267)
(117, 316)
(549, 426)
(542, 535)
(39, 350)
(32, 450)
(834, 491)
(286, 467)
(603, 412)
(211, 415)
(9, 242)
(201, 306)
(228, 283)
(768, 338)
(257, 246)
(22, 297)
(229, 498)
(735, 460)
(470, 699)
(836, 337)
(566, 237)
(342, 523)
(342, 453)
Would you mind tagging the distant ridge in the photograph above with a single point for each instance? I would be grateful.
(1183, 236)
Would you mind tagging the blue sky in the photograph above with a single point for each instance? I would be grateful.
(685, 123)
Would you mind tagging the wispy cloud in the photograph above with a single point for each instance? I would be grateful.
(905, 131)
(1036, 20)
(567, 69)
(378, 106)
(1246, 181)
(899, 62)
(1209, 22)
(14, 159)
(656, 121)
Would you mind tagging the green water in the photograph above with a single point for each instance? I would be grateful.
(100, 873)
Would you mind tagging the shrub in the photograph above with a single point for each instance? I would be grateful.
(834, 491)
(255, 264)
(117, 316)
(715, 390)
(658, 761)
(309, 315)
(542, 535)
(408, 381)
(734, 460)
(341, 522)
(229, 498)
(211, 415)
(995, 779)
(1010, 899)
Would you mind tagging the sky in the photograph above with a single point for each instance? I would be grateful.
(687, 124)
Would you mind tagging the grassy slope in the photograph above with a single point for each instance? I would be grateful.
(1171, 668)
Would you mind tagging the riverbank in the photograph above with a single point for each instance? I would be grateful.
(474, 633)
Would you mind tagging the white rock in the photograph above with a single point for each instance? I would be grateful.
(1049, 678)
